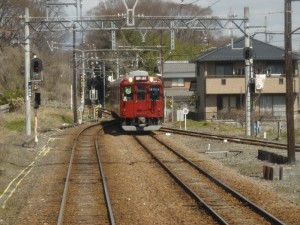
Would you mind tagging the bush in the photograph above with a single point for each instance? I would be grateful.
(15, 100)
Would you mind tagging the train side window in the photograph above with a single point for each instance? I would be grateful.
(127, 93)
(154, 93)
(141, 93)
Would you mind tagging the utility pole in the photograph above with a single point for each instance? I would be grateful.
(162, 72)
(247, 75)
(27, 74)
(290, 95)
(83, 79)
(74, 86)
(104, 77)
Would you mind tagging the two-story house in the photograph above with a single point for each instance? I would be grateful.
(177, 76)
(220, 81)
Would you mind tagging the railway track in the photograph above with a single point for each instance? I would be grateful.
(85, 198)
(224, 204)
(241, 140)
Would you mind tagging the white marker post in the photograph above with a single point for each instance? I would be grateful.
(185, 112)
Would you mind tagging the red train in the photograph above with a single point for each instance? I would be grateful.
(137, 99)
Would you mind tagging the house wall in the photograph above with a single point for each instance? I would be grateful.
(211, 107)
(215, 85)
(236, 85)
(209, 86)
(187, 81)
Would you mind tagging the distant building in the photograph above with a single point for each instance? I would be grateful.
(220, 81)
(177, 76)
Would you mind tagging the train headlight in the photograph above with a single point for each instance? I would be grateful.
(151, 79)
(130, 79)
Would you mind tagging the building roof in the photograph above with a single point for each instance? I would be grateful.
(178, 66)
(234, 51)
(179, 69)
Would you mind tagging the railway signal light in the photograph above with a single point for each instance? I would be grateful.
(252, 87)
(247, 53)
(37, 100)
(36, 69)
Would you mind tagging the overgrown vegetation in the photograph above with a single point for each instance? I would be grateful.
(15, 125)
(15, 100)
(219, 126)
(64, 118)
(14, 122)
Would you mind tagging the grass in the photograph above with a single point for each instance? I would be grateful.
(64, 118)
(12, 124)
(237, 129)
(222, 127)
(15, 125)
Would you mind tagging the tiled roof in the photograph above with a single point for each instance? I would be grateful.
(178, 66)
(179, 69)
(261, 51)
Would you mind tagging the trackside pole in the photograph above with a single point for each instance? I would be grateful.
(27, 74)
(35, 126)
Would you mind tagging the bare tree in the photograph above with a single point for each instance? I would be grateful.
(10, 12)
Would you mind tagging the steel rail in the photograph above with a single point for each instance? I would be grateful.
(65, 192)
(197, 198)
(104, 186)
(271, 218)
(240, 140)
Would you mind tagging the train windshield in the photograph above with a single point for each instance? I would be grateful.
(154, 93)
(127, 93)
(141, 93)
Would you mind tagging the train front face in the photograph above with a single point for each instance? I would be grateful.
(141, 103)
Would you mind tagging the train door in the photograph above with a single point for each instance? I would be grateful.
(140, 105)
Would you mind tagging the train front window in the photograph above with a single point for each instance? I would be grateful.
(154, 93)
(127, 93)
(141, 93)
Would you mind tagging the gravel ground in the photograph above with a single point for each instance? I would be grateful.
(34, 202)
(243, 159)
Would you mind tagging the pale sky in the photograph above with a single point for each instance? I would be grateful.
(262, 12)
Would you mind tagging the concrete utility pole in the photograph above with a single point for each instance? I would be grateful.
(290, 95)
(75, 119)
(27, 74)
(247, 76)
(83, 79)
(104, 77)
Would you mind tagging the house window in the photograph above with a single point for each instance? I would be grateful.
(193, 86)
(178, 82)
(223, 81)
(280, 80)
(274, 105)
(228, 102)
(275, 69)
(224, 69)
(239, 71)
